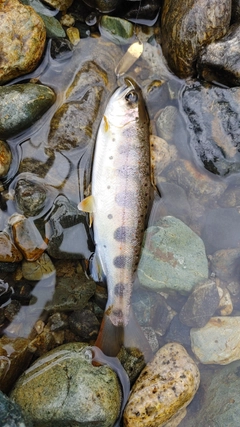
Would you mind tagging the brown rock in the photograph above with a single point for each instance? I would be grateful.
(8, 251)
(187, 26)
(22, 35)
(5, 158)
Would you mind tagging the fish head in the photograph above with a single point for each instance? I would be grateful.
(126, 105)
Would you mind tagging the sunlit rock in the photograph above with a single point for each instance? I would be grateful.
(5, 158)
(64, 387)
(21, 105)
(189, 25)
(8, 251)
(39, 269)
(23, 36)
(163, 390)
(223, 341)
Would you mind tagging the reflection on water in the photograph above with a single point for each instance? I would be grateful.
(61, 165)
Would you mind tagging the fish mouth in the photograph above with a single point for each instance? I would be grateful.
(129, 85)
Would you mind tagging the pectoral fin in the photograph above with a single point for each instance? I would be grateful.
(87, 204)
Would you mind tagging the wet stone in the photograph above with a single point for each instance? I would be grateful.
(103, 5)
(11, 414)
(224, 263)
(115, 29)
(84, 324)
(222, 337)
(173, 257)
(40, 269)
(15, 357)
(23, 38)
(5, 158)
(201, 305)
(21, 105)
(235, 11)
(187, 26)
(30, 197)
(59, 4)
(5, 292)
(64, 387)
(53, 26)
(9, 253)
(220, 61)
(212, 115)
(177, 332)
(164, 389)
(225, 307)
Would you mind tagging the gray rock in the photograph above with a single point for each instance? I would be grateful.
(220, 401)
(223, 263)
(201, 305)
(64, 388)
(11, 414)
(21, 105)
(84, 324)
(220, 61)
(218, 341)
(173, 258)
(235, 10)
(177, 332)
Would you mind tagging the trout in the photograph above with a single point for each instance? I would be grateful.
(119, 203)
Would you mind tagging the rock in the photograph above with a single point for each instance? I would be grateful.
(220, 402)
(11, 414)
(59, 4)
(224, 263)
(222, 337)
(5, 158)
(40, 269)
(201, 305)
(214, 134)
(163, 317)
(27, 237)
(221, 229)
(15, 357)
(235, 10)
(73, 35)
(151, 336)
(23, 38)
(173, 257)
(225, 307)
(103, 6)
(30, 196)
(187, 26)
(178, 332)
(162, 154)
(147, 11)
(64, 387)
(8, 251)
(53, 26)
(220, 61)
(164, 389)
(84, 324)
(5, 292)
(21, 105)
(115, 29)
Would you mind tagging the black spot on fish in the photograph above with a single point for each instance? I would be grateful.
(119, 289)
(111, 157)
(108, 187)
(118, 313)
(120, 261)
(125, 199)
(122, 234)
(110, 216)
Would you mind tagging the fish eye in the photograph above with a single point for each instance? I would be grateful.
(131, 96)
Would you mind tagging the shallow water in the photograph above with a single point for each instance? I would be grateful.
(67, 172)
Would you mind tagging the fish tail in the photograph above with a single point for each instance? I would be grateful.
(111, 338)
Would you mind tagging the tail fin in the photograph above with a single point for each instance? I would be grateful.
(111, 338)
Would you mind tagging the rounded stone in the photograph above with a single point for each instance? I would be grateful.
(10, 413)
(163, 390)
(5, 158)
(64, 388)
(40, 269)
(23, 36)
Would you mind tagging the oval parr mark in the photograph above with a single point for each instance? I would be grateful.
(110, 216)
(125, 199)
(123, 233)
(121, 261)
(120, 289)
(128, 171)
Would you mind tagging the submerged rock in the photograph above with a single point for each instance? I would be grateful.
(116, 29)
(64, 388)
(220, 61)
(163, 390)
(189, 25)
(235, 10)
(103, 6)
(40, 269)
(173, 257)
(222, 337)
(213, 120)
(8, 251)
(21, 105)
(5, 158)
(23, 36)
(11, 414)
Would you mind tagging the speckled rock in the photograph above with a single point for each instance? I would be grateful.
(8, 251)
(163, 390)
(220, 401)
(23, 36)
(173, 257)
(15, 357)
(64, 388)
(220, 61)
(222, 337)
(189, 25)
(201, 305)
(39, 269)
(11, 415)
(59, 4)
(21, 105)
(5, 158)
(116, 29)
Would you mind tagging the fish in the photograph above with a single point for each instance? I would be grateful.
(119, 205)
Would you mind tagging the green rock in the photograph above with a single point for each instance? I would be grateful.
(173, 258)
(53, 26)
(10, 413)
(115, 29)
(63, 388)
(21, 105)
